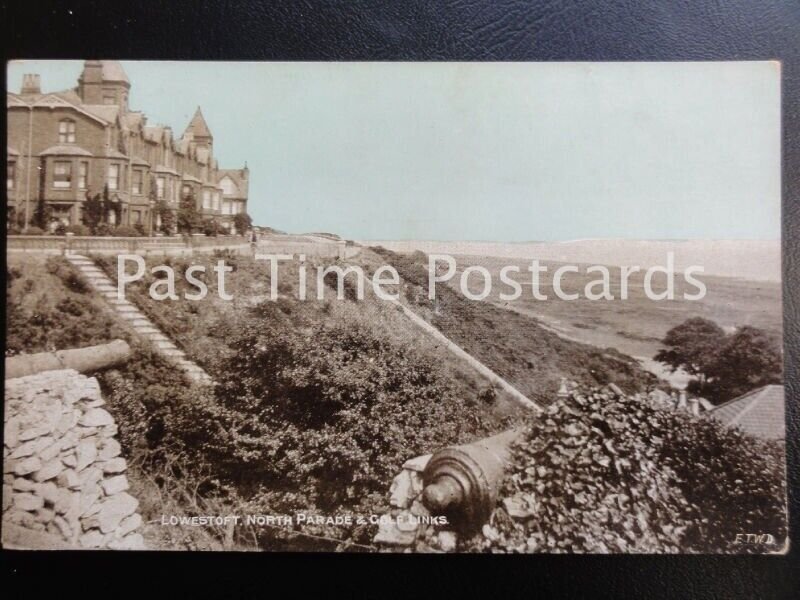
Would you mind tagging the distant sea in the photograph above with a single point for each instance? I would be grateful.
(756, 260)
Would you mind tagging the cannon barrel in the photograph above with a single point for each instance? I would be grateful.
(462, 482)
(83, 360)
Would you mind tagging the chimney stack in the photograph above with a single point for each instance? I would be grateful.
(31, 84)
(682, 400)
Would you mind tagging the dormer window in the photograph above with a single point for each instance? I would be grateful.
(66, 131)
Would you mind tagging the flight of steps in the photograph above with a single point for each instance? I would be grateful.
(135, 319)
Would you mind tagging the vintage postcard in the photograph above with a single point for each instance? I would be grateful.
(394, 307)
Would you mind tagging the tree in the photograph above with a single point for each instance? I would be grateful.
(749, 359)
(691, 346)
(189, 219)
(210, 227)
(43, 212)
(93, 211)
(109, 206)
(723, 365)
(242, 222)
(166, 217)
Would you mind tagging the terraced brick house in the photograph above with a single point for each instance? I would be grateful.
(66, 146)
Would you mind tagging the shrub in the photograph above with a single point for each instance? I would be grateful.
(607, 473)
(49, 307)
(103, 229)
(319, 418)
(77, 229)
(126, 231)
(34, 230)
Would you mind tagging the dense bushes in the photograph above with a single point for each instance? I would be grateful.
(604, 473)
(315, 419)
(513, 345)
(49, 307)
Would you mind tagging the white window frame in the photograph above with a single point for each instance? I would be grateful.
(83, 175)
(117, 170)
(66, 131)
(65, 184)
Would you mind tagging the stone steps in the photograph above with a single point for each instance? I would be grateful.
(138, 321)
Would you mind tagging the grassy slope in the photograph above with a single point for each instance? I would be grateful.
(514, 345)
(48, 307)
(199, 327)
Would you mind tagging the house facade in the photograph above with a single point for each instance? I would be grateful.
(64, 147)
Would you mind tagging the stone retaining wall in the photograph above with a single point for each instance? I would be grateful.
(409, 526)
(63, 476)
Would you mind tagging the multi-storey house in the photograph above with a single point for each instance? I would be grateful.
(66, 146)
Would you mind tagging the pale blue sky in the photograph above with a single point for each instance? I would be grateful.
(482, 151)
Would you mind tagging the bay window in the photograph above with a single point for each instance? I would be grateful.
(136, 184)
(62, 174)
(113, 177)
(83, 173)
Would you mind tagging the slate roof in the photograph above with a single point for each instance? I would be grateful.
(238, 178)
(198, 126)
(759, 412)
(106, 112)
(70, 96)
(113, 71)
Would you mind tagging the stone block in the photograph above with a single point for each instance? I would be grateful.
(86, 453)
(390, 534)
(96, 417)
(49, 470)
(115, 465)
(69, 479)
(115, 509)
(114, 485)
(129, 524)
(28, 465)
(91, 539)
(28, 501)
(110, 449)
(418, 463)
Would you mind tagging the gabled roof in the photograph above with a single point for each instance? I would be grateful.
(759, 412)
(198, 126)
(70, 96)
(107, 112)
(237, 176)
(54, 101)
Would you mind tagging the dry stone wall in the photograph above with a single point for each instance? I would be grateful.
(409, 526)
(64, 482)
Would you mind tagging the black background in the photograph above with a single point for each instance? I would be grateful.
(427, 30)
